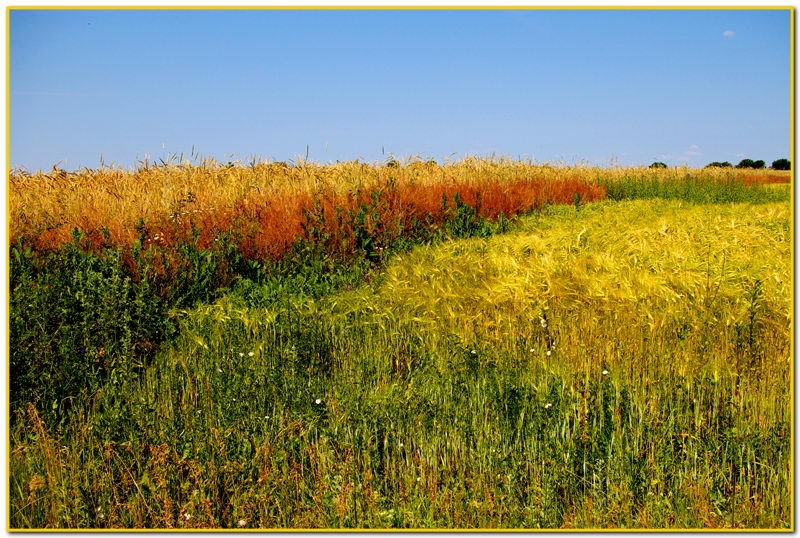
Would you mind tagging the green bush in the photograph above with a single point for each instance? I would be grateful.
(81, 318)
(76, 320)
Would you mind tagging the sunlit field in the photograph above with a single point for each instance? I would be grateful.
(486, 344)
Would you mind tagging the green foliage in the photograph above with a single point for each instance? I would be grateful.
(748, 334)
(718, 164)
(81, 318)
(76, 320)
(692, 190)
(464, 221)
(750, 163)
(281, 419)
(782, 164)
(658, 164)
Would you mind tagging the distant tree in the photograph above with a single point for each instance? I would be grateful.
(717, 164)
(782, 164)
(750, 163)
(658, 165)
(746, 163)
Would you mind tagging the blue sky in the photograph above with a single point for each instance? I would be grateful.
(605, 87)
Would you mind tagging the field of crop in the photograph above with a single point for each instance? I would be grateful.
(487, 344)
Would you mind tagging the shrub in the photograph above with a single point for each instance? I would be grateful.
(76, 320)
(658, 165)
(81, 317)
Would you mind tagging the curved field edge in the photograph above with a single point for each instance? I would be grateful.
(615, 365)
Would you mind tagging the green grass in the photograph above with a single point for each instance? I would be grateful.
(615, 365)
(725, 188)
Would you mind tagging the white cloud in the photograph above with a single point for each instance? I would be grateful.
(728, 33)
(693, 151)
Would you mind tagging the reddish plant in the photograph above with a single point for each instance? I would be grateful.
(766, 179)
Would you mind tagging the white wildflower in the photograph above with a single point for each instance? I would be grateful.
(605, 372)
